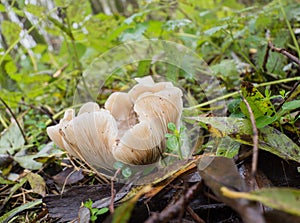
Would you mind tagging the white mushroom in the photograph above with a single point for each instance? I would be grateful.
(92, 136)
(130, 129)
(89, 136)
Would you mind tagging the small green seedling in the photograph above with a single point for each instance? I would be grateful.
(125, 170)
(174, 139)
(94, 211)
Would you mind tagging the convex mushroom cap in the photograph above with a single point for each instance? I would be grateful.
(131, 128)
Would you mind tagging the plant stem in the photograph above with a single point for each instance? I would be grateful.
(15, 118)
(290, 28)
(237, 92)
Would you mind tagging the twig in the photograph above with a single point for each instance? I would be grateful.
(174, 210)
(288, 95)
(194, 215)
(284, 52)
(266, 57)
(255, 144)
(113, 191)
(15, 118)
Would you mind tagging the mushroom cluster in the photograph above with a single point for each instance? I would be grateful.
(131, 128)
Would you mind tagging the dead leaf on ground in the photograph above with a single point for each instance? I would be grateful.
(283, 199)
(68, 176)
(37, 183)
(218, 172)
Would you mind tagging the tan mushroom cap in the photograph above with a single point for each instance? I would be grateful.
(88, 107)
(54, 132)
(91, 136)
(140, 144)
(120, 106)
(155, 105)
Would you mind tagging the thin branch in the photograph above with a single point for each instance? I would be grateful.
(15, 118)
(113, 191)
(284, 52)
(255, 144)
(288, 95)
(194, 215)
(266, 57)
(174, 210)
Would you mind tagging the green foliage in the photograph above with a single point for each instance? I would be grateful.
(94, 211)
(125, 169)
(174, 139)
(283, 199)
(240, 130)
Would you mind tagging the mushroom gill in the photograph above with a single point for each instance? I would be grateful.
(131, 128)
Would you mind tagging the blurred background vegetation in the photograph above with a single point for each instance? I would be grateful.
(45, 46)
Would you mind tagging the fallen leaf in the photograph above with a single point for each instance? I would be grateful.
(68, 176)
(30, 161)
(37, 183)
(283, 199)
(218, 172)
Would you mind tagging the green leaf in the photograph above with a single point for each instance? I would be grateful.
(263, 121)
(215, 29)
(93, 218)
(169, 135)
(270, 139)
(102, 211)
(143, 68)
(135, 33)
(172, 126)
(118, 165)
(122, 213)
(11, 140)
(88, 204)
(2, 8)
(27, 161)
(11, 68)
(11, 31)
(259, 104)
(172, 143)
(291, 105)
(126, 172)
(228, 148)
(283, 199)
(5, 181)
(62, 3)
(37, 10)
(6, 217)
(227, 70)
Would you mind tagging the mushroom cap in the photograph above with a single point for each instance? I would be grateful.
(140, 145)
(54, 132)
(88, 107)
(91, 136)
(120, 106)
(155, 105)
